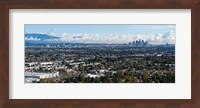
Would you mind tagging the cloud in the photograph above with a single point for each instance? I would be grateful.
(159, 38)
(169, 37)
(52, 32)
(32, 38)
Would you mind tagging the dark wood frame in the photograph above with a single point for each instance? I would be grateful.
(5, 102)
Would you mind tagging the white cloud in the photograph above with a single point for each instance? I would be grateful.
(32, 38)
(52, 32)
(168, 37)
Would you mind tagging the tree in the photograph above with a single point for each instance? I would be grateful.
(81, 78)
(145, 77)
(83, 70)
(128, 79)
(97, 80)
(92, 80)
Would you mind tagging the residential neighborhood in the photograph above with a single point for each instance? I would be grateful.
(100, 63)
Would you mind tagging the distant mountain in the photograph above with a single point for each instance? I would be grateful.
(39, 37)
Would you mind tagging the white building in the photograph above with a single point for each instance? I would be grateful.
(46, 64)
(91, 75)
(41, 75)
(31, 66)
(32, 80)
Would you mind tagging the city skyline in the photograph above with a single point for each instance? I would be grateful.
(104, 33)
(100, 53)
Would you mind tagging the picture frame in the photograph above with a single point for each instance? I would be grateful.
(5, 102)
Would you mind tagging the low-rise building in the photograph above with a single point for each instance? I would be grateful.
(41, 75)
(46, 64)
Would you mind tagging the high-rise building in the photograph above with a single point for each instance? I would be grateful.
(139, 43)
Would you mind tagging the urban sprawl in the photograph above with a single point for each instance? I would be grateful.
(134, 62)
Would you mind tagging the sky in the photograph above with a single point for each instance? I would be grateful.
(107, 33)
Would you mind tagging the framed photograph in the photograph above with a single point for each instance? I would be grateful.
(108, 53)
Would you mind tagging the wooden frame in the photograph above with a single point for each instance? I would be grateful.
(5, 102)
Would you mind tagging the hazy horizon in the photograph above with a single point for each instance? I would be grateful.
(103, 33)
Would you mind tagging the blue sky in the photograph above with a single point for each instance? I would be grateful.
(106, 33)
(99, 28)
